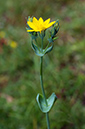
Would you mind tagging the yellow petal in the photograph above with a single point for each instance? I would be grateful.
(47, 21)
(40, 20)
(50, 24)
(35, 21)
(31, 25)
(30, 30)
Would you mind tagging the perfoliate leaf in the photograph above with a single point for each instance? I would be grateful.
(37, 51)
(50, 101)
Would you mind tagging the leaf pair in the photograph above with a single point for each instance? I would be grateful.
(42, 104)
(40, 52)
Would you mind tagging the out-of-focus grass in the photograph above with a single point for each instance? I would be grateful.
(19, 66)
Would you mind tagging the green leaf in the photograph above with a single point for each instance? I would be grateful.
(40, 52)
(37, 51)
(49, 49)
(55, 38)
(50, 101)
(50, 40)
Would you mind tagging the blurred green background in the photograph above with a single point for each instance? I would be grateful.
(64, 67)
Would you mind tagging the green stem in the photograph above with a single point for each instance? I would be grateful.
(41, 78)
(41, 81)
(47, 118)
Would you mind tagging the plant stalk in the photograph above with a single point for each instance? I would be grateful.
(41, 81)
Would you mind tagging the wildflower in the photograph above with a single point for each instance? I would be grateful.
(2, 34)
(39, 25)
(13, 44)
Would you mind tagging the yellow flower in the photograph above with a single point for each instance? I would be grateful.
(13, 44)
(39, 25)
(2, 34)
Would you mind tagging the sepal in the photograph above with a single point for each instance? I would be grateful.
(34, 35)
(55, 38)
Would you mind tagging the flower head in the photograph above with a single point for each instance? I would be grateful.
(39, 25)
(2, 34)
(13, 44)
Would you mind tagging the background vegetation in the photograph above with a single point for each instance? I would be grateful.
(64, 67)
